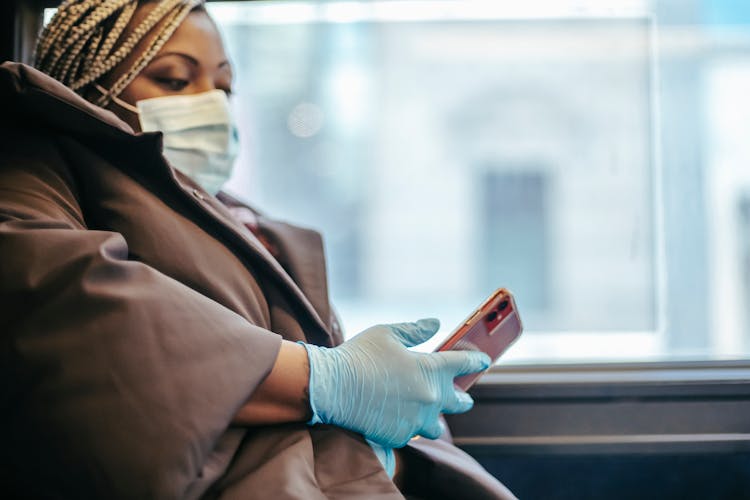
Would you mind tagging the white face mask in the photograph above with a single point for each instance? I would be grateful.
(200, 136)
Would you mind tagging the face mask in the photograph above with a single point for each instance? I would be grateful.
(200, 136)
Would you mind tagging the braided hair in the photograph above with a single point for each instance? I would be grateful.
(84, 41)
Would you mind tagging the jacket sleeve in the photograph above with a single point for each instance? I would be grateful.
(117, 381)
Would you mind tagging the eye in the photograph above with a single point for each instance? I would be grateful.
(173, 84)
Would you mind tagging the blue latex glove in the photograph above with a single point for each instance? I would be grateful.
(386, 456)
(373, 385)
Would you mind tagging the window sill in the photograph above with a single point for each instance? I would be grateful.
(698, 407)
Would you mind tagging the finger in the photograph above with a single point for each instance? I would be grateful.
(464, 362)
(411, 334)
(433, 430)
(461, 403)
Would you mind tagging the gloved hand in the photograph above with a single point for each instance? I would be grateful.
(372, 384)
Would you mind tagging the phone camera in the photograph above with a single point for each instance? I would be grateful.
(503, 305)
(491, 317)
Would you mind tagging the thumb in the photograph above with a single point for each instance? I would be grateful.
(411, 334)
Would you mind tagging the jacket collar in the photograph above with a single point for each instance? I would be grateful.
(38, 96)
(33, 97)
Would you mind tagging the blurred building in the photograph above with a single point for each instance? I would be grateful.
(593, 158)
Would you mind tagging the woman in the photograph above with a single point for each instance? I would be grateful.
(161, 343)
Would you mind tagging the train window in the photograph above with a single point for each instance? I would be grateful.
(589, 155)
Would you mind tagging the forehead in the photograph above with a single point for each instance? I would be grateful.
(199, 37)
(199, 32)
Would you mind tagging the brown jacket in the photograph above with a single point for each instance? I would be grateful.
(137, 315)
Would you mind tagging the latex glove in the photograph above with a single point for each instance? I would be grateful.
(386, 456)
(372, 384)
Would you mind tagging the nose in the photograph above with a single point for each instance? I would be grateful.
(205, 84)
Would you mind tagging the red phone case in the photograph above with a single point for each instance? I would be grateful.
(491, 328)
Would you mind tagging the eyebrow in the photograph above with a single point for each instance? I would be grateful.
(192, 60)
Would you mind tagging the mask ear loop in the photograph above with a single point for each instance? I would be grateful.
(117, 100)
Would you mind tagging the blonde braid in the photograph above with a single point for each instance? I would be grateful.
(55, 29)
(82, 42)
(90, 24)
(122, 22)
(66, 23)
(94, 47)
(76, 65)
(67, 62)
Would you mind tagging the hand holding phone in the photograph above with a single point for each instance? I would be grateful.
(491, 328)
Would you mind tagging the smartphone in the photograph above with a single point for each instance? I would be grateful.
(491, 328)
